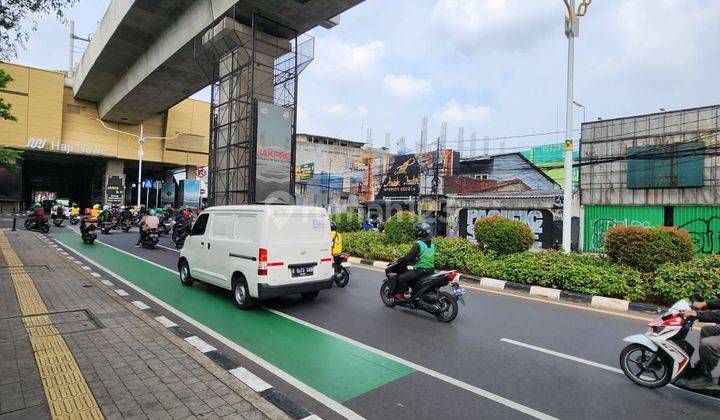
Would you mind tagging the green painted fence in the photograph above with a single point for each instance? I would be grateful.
(598, 219)
(703, 224)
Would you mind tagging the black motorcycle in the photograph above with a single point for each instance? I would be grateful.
(37, 223)
(426, 293)
(57, 219)
(340, 265)
(87, 231)
(125, 224)
(180, 231)
(73, 219)
(150, 238)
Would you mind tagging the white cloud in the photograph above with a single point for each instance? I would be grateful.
(405, 86)
(455, 113)
(345, 61)
(476, 25)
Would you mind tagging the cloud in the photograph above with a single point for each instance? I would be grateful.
(342, 60)
(476, 25)
(458, 114)
(405, 86)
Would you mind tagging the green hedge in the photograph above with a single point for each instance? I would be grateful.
(347, 221)
(593, 275)
(648, 248)
(400, 228)
(503, 236)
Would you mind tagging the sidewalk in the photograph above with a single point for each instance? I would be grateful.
(72, 348)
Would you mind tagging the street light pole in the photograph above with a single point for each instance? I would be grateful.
(571, 31)
(579, 105)
(141, 142)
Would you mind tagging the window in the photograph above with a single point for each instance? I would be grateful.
(481, 176)
(245, 227)
(222, 225)
(198, 228)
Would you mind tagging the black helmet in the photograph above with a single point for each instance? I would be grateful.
(333, 226)
(422, 230)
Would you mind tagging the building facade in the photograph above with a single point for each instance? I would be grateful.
(659, 169)
(68, 154)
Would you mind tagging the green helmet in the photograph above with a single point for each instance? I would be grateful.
(152, 212)
(37, 206)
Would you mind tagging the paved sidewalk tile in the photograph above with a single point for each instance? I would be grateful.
(133, 366)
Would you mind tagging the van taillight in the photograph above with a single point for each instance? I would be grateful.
(262, 262)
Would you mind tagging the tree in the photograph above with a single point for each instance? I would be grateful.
(14, 16)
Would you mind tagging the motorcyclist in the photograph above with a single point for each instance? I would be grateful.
(336, 240)
(75, 210)
(87, 221)
(95, 212)
(148, 222)
(421, 257)
(709, 350)
(37, 213)
(105, 215)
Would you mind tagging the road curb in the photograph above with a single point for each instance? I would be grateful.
(601, 302)
(252, 381)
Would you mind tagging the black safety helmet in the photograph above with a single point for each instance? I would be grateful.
(333, 226)
(422, 230)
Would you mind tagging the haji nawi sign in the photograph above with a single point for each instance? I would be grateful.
(56, 146)
(273, 158)
(402, 180)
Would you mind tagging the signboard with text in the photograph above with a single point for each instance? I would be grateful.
(540, 222)
(273, 160)
(115, 189)
(402, 180)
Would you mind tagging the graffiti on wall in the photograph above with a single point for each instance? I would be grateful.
(540, 222)
(602, 225)
(705, 233)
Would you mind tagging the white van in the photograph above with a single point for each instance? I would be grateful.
(260, 252)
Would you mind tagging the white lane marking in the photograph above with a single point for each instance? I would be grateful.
(562, 355)
(200, 344)
(121, 292)
(64, 253)
(169, 249)
(250, 379)
(312, 417)
(78, 262)
(296, 383)
(86, 268)
(140, 305)
(435, 374)
(94, 274)
(165, 322)
(107, 283)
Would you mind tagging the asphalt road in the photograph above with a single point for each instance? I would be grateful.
(462, 368)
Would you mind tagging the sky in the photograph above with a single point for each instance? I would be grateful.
(495, 67)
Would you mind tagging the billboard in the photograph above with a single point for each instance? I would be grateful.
(167, 193)
(402, 180)
(191, 193)
(115, 189)
(273, 158)
(306, 171)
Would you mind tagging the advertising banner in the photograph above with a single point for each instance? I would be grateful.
(273, 168)
(306, 171)
(402, 180)
(167, 194)
(115, 189)
(191, 193)
(540, 223)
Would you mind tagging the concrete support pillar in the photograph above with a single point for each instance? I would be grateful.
(190, 171)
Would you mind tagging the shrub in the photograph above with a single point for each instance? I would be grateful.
(360, 243)
(347, 221)
(672, 282)
(648, 248)
(572, 272)
(453, 253)
(503, 236)
(400, 227)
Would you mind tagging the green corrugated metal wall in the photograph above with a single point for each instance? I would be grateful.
(598, 219)
(703, 224)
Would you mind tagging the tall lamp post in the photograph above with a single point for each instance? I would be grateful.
(141, 141)
(572, 30)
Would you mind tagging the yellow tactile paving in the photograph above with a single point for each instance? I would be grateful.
(66, 391)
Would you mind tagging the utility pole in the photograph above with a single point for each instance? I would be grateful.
(572, 30)
(436, 185)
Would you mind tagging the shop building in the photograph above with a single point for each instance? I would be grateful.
(658, 169)
(68, 154)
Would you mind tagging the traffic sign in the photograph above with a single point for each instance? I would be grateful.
(148, 183)
(158, 185)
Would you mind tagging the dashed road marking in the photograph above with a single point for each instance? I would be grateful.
(165, 322)
(250, 379)
(140, 305)
(94, 274)
(200, 344)
(107, 283)
(562, 355)
(121, 292)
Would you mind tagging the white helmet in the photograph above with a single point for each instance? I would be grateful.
(106, 207)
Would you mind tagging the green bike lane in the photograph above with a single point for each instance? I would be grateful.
(336, 368)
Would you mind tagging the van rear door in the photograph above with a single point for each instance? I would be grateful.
(298, 247)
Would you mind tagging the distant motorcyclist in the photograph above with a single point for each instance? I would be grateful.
(147, 223)
(709, 350)
(105, 215)
(75, 210)
(37, 213)
(87, 221)
(421, 257)
(95, 212)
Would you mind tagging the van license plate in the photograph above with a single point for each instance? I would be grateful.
(301, 271)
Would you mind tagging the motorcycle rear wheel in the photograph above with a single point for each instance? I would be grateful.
(386, 296)
(28, 224)
(342, 278)
(448, 307)
(45, 228)
(632, 358)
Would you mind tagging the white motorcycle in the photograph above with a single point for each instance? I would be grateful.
(662, 355)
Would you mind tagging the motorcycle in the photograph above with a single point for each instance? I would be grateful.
(37, 223)
(106, 227)
(74, 220)
(87, 232)
(340, 264)
(150, 238)
(426, 294)
(166, 224)
(662, 355)
(125, 224)
(57, 219)
(180, 233)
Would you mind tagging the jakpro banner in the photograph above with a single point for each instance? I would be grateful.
(273, 168)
